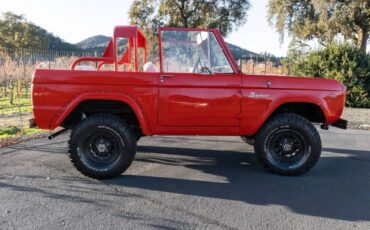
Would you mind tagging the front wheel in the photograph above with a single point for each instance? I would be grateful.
(288, 144)
(102, 146)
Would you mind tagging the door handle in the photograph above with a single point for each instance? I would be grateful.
(163, 77)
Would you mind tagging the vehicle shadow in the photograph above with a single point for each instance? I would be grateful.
(338, 187)
(51, 147)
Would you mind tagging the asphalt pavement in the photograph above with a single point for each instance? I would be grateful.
(187, 183)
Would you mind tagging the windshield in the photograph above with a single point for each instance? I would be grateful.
(193, 52)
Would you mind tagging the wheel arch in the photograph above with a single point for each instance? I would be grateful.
(309, 110)
(306, 108)
(120, 97)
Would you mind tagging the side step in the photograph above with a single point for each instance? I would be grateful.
(53, 135)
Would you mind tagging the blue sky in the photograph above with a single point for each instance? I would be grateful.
(74, 21)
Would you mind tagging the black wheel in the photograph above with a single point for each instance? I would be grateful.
(288, 144)
(138, 134)
(102, 146)
(248, 140)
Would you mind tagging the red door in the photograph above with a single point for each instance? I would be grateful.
(199, 100)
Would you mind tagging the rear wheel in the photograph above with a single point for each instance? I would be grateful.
(102, 146)
(288, 144)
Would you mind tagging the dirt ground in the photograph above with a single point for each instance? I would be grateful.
(356, 117)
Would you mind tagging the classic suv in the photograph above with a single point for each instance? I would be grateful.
(196, 89)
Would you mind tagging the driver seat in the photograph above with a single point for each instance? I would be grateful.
(150, 67)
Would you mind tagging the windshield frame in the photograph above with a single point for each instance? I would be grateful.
(218, 37)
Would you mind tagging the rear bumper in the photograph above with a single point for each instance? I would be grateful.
(341, 123)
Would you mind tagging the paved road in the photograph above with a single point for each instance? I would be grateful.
(187, 183)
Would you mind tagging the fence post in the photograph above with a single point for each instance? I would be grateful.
(20, 116)
(49, 60)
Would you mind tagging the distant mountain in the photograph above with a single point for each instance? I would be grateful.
(94, 42)
(98, 43)
(240, 53)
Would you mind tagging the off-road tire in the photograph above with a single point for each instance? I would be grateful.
(112, 129)
(302, 130)
(138, 133)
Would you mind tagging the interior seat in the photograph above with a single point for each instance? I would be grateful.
(150, 67)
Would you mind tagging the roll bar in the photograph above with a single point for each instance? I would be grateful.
(136, 39)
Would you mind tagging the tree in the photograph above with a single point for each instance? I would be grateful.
(142, 14)
(222, 14)
(322, 19)
(17, 33)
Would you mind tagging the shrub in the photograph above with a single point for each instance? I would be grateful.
(10, 130)
(342, 62)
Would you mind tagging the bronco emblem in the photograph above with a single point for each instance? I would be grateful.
(256, 95)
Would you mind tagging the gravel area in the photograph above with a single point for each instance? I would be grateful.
(356, 117)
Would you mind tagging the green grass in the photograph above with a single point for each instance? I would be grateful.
(23, 101)
(12, 131)
(24, 109)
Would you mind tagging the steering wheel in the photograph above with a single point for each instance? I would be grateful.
(203, 69)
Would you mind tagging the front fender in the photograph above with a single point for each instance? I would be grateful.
(102, 95)
(256, 111)
(320, 102)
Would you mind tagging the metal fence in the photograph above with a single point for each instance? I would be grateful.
(16, 68)
(49, 58)
(254, 66)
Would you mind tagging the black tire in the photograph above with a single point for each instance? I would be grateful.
(102, 146)
(138, 135)
(248, 140)
(288, 145)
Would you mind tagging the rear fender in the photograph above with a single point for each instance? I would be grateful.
(102, 95)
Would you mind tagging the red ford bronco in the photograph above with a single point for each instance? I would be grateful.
(196, 89)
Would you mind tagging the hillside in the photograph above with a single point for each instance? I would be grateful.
(93, 42)
(18, 33)
(99, 42)
(240, 53)
(96, 44)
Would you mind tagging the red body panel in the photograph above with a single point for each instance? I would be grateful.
(57, 92)
(199, 100)
(283, 90)
(183, 103)
(197, 104)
